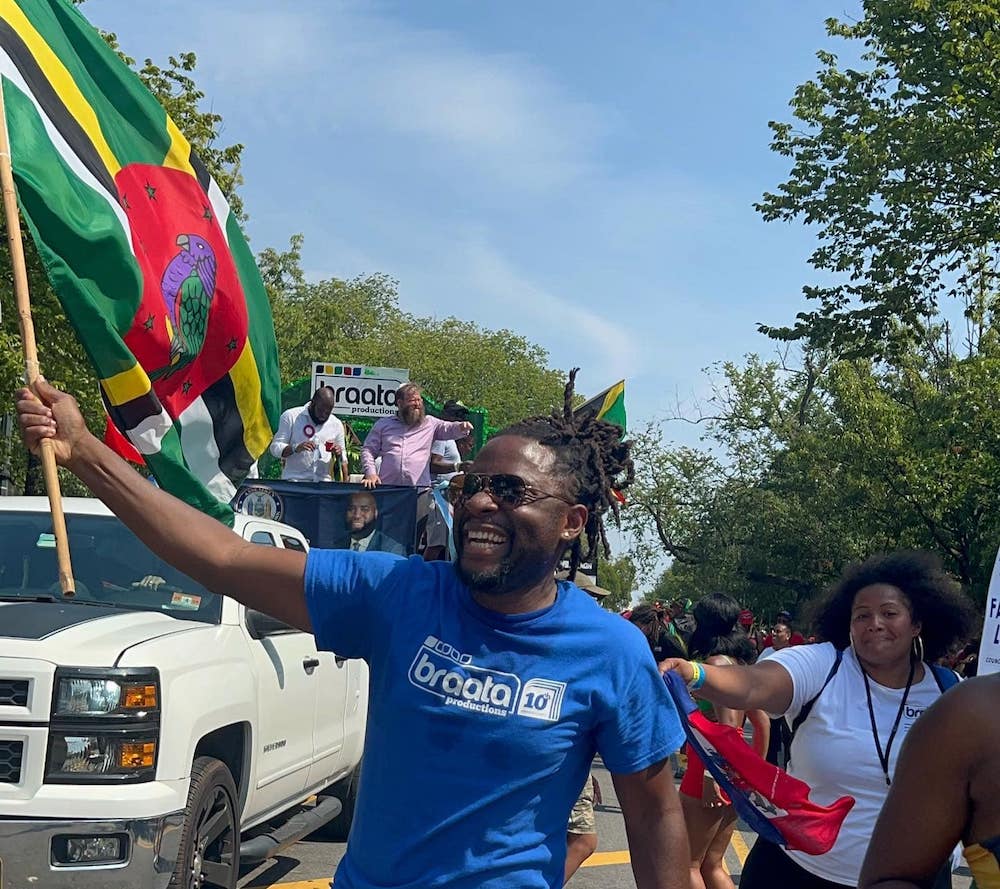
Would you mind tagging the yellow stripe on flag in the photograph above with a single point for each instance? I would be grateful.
(62, 82)
(614, 393)
(129, 384)
(179, 154)
(257, 432)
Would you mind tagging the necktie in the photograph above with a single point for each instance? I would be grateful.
(356, 545)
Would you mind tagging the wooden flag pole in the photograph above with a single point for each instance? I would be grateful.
(23, 300)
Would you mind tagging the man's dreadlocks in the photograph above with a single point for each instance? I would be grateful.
(595, 460)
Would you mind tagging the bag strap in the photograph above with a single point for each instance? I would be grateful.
(803, 714)
(944, 677)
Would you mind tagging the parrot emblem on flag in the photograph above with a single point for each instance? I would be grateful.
(187, 288)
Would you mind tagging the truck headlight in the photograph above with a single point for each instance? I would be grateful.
(110, 694)
(76, 756)
(105, 725)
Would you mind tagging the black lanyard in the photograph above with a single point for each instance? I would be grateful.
(883, 758)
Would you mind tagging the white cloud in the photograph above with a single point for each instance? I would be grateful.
(566, 329)
(335, 68)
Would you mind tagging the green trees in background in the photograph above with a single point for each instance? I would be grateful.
(361, 321)
(884, 434)
(804, 469)
(619, 576)
(896, 164)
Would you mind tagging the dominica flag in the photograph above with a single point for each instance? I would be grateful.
(607, 405)
(144, 254)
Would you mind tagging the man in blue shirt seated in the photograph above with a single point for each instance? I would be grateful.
(492, 684)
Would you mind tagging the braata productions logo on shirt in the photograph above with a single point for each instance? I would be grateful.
(448, 674)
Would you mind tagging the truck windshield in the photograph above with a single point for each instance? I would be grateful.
(110, 566)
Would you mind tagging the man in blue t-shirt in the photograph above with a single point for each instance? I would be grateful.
(492, 684)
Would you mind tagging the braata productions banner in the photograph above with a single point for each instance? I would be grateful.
(989, 647)
(360, 391)
(337, 516)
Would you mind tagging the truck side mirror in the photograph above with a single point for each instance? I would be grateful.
(261, 625)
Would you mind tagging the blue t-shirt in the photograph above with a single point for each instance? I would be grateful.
(482, 726)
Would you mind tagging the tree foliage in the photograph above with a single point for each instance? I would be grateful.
(807, 468)
(896, 163)
(618, 577)
(360, 321)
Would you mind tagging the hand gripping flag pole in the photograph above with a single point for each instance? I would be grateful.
(23, 301)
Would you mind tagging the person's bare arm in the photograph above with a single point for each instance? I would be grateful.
(761, 730)
(763, 686)
(262, 577)
(929, 806)
(371, 449)
(445, 430)
(657, 838)
(441, 466)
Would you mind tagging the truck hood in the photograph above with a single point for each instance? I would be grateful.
(83, 635)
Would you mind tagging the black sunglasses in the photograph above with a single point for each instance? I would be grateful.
(510, 490)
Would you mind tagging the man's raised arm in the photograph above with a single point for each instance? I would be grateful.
(262, 577)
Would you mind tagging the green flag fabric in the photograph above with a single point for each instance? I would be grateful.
(144, 254)
(608, 405)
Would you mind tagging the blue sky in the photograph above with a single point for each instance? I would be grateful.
(580, 172)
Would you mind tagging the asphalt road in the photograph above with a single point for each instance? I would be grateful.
(310, 863)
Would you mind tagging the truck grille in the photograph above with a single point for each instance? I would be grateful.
(14, 692)
(11, 753)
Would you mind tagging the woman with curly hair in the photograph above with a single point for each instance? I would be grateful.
(884, 622)
(709, 815)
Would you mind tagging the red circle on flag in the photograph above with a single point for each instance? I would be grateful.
(166, 208)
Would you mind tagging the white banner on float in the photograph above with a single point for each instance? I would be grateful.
(989, 647)
(360, 390)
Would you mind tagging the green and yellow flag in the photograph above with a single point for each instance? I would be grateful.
(144, 254)
(608, 405)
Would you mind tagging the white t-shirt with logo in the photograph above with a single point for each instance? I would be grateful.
(834, 750)
(296, 426)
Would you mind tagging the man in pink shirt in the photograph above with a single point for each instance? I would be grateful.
(404, 442)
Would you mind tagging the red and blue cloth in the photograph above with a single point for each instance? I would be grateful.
(770, 801)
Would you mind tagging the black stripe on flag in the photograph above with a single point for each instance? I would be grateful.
(130, 414)
(227, 424)
(200, 171)
(40, 87)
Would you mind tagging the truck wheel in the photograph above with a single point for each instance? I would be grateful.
(209, 856)
(346, 790)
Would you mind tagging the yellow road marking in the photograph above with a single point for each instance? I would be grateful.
(306, 884)
(740, 845)
(599, 859)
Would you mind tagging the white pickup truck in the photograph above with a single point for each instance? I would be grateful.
(147, 725)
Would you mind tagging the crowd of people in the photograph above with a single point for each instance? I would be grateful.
(495, 683)
(889, 639)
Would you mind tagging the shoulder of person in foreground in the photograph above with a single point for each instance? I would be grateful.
(351, 595)
(933, 798)
(588, 613)
(637, 723)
